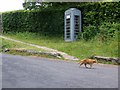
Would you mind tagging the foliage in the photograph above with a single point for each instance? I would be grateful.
(48, 20)
(35, 5)
(104, 32)
(90, 32)
(108, 30)
(44, 22)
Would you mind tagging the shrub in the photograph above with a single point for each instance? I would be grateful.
(108, 30)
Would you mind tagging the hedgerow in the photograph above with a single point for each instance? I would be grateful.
(43, 22)
(50, 21)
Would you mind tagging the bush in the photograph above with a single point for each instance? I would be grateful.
(108, 30)
(104, 32)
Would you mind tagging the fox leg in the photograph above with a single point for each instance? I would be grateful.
(85, 65)
(90, 65)
(81, 64)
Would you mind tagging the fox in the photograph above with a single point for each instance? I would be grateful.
(87, 61)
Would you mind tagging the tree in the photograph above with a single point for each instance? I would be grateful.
(32, 4)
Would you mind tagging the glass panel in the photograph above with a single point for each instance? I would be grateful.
(68, 27)
(76, 25)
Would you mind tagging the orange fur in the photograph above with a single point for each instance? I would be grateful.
(87, 61)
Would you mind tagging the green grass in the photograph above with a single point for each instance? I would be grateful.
(80, 49)
(10, 44)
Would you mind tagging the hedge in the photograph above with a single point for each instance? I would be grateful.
(45, 22)
(50, 21)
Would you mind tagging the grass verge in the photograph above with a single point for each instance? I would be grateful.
(80, 49)
(10, 44)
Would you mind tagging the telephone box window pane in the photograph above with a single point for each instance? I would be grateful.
(68, 16)
(76, 24)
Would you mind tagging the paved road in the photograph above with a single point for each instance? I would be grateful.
(33, 72)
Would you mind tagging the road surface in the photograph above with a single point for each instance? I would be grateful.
(35, 72)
